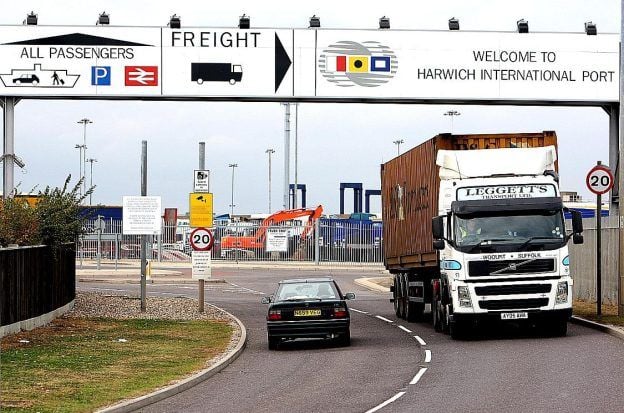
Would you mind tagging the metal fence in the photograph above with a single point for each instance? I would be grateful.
(583, 262)
(330, 241)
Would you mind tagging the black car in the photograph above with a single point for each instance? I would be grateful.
(308, 308)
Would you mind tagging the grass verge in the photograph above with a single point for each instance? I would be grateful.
(80, 364)
(588, 310)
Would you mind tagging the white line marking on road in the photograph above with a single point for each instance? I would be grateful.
(418, 375)
(427, 356)
(387, 402)
(420, 340)
(384, 319)
(405, 329)
(359, 311)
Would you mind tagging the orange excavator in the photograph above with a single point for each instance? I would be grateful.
(256, 244)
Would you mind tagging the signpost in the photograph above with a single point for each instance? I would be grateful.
(202, 241)
(600, 181)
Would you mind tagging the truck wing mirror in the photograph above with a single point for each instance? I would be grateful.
(577, 238)
(437, 227)
(438, 244)
(577, 222)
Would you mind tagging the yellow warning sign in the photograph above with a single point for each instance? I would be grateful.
(200, 209)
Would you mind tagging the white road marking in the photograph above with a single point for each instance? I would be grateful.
(384, 319)
(420, 340)
(387, 402)
(418, 375)
(427, 356)
(359, 311)
(405, 329)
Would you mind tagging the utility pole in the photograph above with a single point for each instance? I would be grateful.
(84, 122)
(286, 156)
(232, 165)
(91, 160)
(269, 151)
(296, 138)
(398, 143)
(143, 237)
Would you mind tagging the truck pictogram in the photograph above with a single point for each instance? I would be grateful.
(216, 72)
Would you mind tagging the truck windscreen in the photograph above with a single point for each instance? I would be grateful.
(528, 229)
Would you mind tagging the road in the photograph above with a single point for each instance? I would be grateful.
(395, 366)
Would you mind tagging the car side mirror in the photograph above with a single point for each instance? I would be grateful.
(266, 300)
(349, 296)
(577, 238)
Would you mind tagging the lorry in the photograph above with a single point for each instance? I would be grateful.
(216, 72)
(514, 267)
(292, 226)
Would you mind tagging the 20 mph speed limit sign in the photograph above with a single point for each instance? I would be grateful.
(600, 180)
(201, 239)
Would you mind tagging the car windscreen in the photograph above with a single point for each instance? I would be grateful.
(306, 291)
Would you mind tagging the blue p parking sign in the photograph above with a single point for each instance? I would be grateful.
(100, 75)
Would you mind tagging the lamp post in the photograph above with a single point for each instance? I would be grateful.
(84, 122)
(452, 114)
(232, 165)
(269, 151)
(80, 163)
(398, 143)
(91, 160)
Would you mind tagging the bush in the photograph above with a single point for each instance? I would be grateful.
(54, 220)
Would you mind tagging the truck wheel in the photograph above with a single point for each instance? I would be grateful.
(232, 81)
(559, 327)
(200, 81)
(403, 300)
(436, 310)
(457, 330)
(395, 295)
(414, 311)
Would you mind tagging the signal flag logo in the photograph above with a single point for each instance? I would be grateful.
(348, 63)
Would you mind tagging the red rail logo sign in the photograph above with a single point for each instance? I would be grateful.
(141, 75)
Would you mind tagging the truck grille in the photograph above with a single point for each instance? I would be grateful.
(486, 268)
(513, 289)
(513, 304)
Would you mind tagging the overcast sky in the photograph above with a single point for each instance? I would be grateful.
(336, 142)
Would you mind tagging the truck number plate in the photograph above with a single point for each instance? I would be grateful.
(514, 316)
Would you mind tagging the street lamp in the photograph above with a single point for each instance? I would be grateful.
(232, 165)
(91, 160)
(398, 143)
(84, 122)
(80, 163)
(269, 151)
(452, 114)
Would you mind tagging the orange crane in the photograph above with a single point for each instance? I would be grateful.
(254, 244)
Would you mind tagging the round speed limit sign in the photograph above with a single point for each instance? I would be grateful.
(201, 239)
(600, 180)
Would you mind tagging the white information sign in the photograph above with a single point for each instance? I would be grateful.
(91, 61)
(201, 180)
(202, 265)
(328, 65)
(277, 239)
(506, 191)
(142, 215)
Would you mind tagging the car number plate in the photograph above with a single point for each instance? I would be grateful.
(514, 316)
(307, 313)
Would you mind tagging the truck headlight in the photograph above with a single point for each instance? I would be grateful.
(562, 293)
(464, 296)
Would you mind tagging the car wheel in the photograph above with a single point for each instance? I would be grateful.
(273, 342)
(345, 338)
(19, 82)
(35, 83)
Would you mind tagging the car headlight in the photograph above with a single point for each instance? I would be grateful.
(562, 293)
(464, 296)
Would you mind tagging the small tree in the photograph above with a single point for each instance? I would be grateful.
(19, 223)
(58, 213)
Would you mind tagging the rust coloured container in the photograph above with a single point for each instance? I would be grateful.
(410, 187)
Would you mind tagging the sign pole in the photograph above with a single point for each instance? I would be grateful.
(202, 166)
(620, 157)
(143, 237)
(598, 251)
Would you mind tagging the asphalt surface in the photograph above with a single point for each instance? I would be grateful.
(392, 365)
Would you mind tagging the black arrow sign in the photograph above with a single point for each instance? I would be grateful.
(282, 62)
